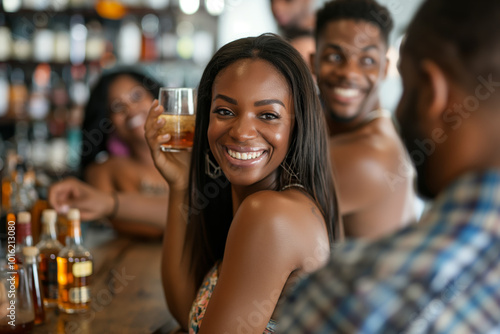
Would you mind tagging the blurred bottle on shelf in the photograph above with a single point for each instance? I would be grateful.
(129, 41)
(8, 175)
(157, 4)
(39, 104)
(30, 254)
(4, 91)
(59, 5)
(78, 39)
(40, 144)
(11, 6)
(22, 143)
(5, 39)
(43, 45)
(22, 33)
(62, 43)
(110, 9)
(96, 44)
(18, 94)
(150, 29)
(37, 5)
(74, 137)
(80, 4)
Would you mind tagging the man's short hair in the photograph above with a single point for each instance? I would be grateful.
(461, 36)
(359, 10)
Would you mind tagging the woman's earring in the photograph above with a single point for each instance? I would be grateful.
(211, 169)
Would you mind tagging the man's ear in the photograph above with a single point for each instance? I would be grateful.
(435, 89)
(312, 62)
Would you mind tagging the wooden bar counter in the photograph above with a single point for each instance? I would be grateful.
(127, 295)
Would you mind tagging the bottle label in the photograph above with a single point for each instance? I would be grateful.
(51, 281)
(79, 295)
(82, 269)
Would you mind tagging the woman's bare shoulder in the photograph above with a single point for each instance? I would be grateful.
(287, 225)
(292, 204)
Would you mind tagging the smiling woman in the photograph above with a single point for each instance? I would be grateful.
(115, 155)
(257, 207)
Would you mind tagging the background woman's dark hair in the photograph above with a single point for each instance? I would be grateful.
(97, 125)
(210, 206)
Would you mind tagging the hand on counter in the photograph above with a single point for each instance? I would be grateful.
(133, 213)
(73, 193)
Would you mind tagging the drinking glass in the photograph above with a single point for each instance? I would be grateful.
(16, 303)
(179, 114)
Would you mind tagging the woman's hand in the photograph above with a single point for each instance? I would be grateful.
(173, 166)
(72, 193)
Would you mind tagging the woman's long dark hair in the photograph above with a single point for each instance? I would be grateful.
(97, 125)
(210, 202)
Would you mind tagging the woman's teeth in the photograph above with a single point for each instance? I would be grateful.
(347, 92)
(245, 155)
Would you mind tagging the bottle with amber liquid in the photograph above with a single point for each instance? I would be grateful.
(49, 247)
(74, 270)
(30, 254)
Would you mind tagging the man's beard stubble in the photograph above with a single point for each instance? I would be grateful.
(410, 134)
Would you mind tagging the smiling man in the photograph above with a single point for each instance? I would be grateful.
(374, 181)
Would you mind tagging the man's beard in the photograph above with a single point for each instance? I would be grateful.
(411, 134)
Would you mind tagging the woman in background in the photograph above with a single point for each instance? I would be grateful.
(257, 207)
(115, 155)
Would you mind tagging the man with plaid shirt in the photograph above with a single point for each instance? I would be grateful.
(443, 274)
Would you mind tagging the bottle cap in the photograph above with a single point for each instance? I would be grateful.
(24, 217)
(74, 214)
(30, 251)
(49, 216)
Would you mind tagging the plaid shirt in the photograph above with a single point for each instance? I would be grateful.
(439, 276)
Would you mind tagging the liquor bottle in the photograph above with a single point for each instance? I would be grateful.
(129, 41)
(62, 44)
(5, 41)
(30, 258)
(8, 181)
(4, 85)
(150, 27)
(96, 43)
(74, 270)
(49, 248)
(12, 6)
(23, 235)
(78, 41)
(62, 228)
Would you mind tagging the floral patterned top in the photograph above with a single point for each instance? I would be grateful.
(201, 302)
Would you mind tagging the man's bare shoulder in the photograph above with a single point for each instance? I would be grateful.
(376, 144)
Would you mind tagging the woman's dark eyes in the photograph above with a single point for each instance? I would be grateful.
(269, 116)
(223, 112)
(265, 116)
